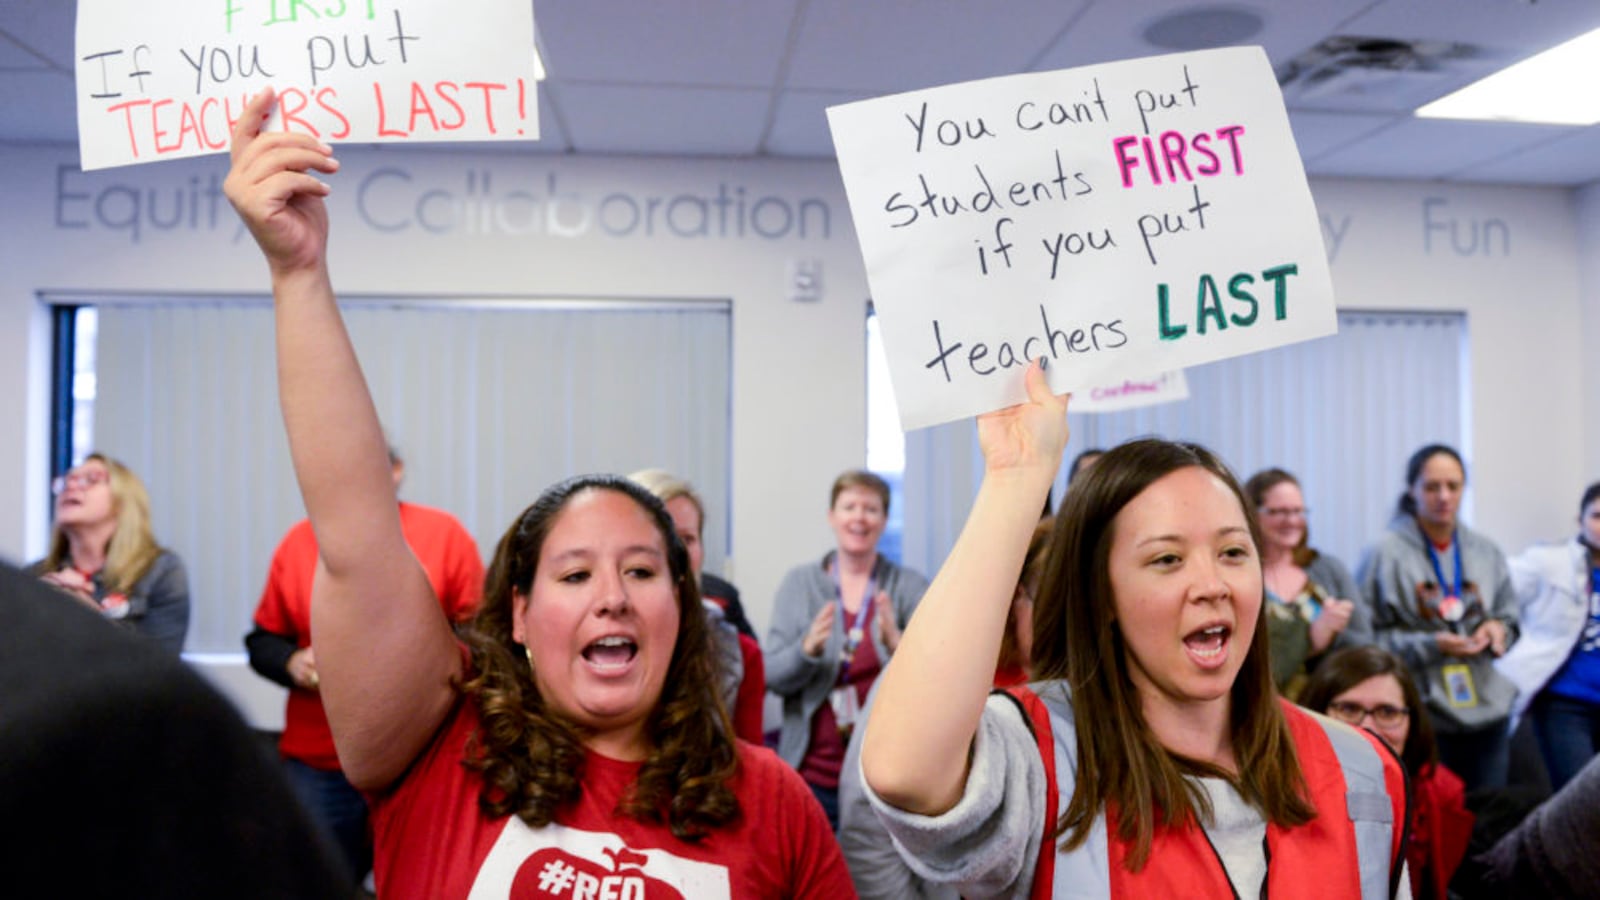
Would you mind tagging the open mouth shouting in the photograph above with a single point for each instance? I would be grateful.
(1207, 646)
(611, 654)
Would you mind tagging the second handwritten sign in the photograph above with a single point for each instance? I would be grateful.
(1120, 220)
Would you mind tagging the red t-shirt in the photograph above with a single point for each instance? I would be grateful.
(433, 841)
(748, 706)
(448, 554)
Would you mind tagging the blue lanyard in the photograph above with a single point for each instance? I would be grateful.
(1438, 572)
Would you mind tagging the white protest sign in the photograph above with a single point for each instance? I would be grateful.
(168, 80)
(1131, 393)
(1121, 220)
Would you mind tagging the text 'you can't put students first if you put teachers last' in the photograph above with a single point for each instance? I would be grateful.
(1120, 220)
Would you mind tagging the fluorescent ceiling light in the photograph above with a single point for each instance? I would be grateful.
(1555, 87)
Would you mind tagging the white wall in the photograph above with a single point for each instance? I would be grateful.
(1518, 283)
(798, 407)
(1587, 202)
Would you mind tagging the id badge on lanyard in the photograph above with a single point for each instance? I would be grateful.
(1460, 690)
(846, 708)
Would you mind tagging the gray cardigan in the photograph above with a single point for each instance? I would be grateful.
(158, 605)
(801, 681)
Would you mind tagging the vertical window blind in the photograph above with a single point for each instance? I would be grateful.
(488, 403)
(1342, 413)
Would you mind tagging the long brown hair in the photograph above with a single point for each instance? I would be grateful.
(133, 548)
(1121, 764)
(532, 757)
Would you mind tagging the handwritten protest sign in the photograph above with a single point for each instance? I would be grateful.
(1120, 220)
(1131, 393)
(168, 80)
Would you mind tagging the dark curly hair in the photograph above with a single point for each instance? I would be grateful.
(531, 757)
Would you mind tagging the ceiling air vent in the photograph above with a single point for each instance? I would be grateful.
(1366, 74)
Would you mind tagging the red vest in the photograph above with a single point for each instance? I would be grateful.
(1316, 860)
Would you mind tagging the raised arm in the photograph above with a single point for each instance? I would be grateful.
(385, 654)
(930, 698)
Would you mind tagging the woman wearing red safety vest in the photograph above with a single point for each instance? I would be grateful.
(1169, 767)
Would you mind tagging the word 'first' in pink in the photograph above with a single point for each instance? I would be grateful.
(1171, 151)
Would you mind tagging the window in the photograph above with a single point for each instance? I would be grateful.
(886, 443)
(1342, 413)
(489, 403)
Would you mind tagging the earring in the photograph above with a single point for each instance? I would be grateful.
(528, 652)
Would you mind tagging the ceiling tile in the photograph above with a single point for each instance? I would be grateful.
(38, 106)
(702, 77)
(800, 122)
(727, 43)
(688, 121)
(1318, 133)
(1110, 31)
(1509, 29)
(898, 45)
(1571, 160)
(1431, 148)
(45, 26)
(14, 56)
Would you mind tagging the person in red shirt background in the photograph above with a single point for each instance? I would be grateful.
(280, 650)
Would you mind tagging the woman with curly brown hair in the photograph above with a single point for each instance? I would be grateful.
(575, 745)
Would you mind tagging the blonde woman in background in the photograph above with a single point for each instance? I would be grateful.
(103, 553)
(743, 680)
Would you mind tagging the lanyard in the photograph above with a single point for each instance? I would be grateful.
(1452, 608)
(854, 631)
(1438, 572)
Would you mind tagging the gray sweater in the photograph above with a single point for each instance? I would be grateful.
(158, 605)
(803, 682)
(1396, 575)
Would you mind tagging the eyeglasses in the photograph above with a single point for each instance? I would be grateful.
(1384, 715)
(1285, 512)
(79, 478)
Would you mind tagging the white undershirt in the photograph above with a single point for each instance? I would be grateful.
(1239, 832)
